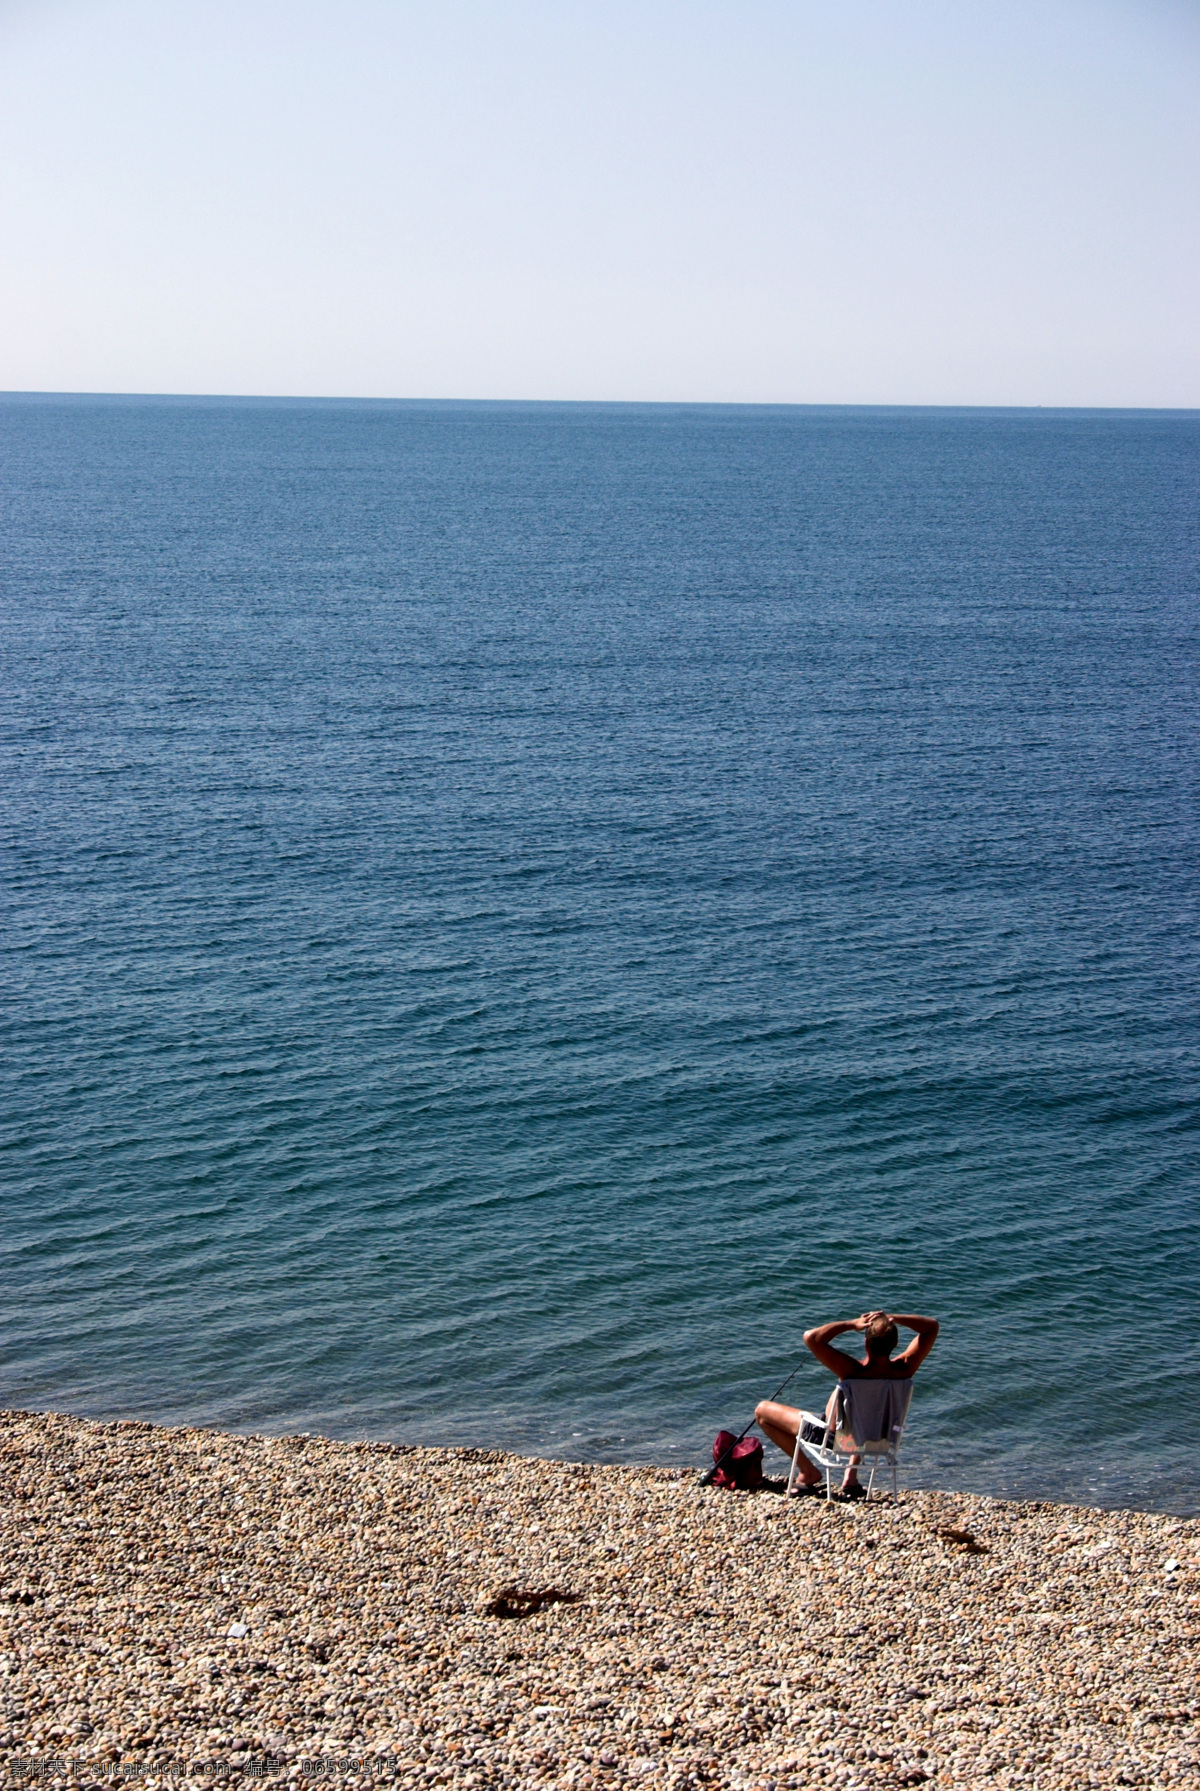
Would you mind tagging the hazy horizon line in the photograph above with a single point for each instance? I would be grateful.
(301, 398)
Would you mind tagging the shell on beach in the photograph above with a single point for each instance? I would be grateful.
(186, 1602)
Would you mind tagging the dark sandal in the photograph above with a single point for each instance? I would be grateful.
(847, 1494)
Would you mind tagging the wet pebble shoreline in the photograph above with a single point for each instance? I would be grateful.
(177, 1601)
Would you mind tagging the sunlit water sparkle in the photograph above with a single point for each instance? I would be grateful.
(512, 912)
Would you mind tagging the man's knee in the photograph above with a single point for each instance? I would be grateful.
(762, 1410)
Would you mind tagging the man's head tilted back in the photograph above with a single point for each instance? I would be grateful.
(882, 1335)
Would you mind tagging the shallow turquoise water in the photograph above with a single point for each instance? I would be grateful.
(512, 912)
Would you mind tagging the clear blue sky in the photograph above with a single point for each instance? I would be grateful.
(893, 201)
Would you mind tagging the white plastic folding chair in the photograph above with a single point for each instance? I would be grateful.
(870, 1420)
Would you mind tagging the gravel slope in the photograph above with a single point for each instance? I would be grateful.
(185, 1601)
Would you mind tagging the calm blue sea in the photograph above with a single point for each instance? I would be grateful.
(511, 912)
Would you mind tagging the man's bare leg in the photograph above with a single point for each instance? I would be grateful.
(780, 1423)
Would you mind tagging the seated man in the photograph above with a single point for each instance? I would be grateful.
(781, 1422)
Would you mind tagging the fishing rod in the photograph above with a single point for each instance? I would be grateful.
(707, 1479)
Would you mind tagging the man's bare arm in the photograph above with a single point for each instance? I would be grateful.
(820, 1342)
(922, 1343)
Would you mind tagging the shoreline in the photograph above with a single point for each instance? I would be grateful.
(192, 1601)
(915, 1475)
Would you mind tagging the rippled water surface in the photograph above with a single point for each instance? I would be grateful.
(511, 913)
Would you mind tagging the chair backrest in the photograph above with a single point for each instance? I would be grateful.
(872, 1414)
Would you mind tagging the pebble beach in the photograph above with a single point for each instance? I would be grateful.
(180, 1602)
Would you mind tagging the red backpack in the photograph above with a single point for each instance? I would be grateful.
(742, 1463)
